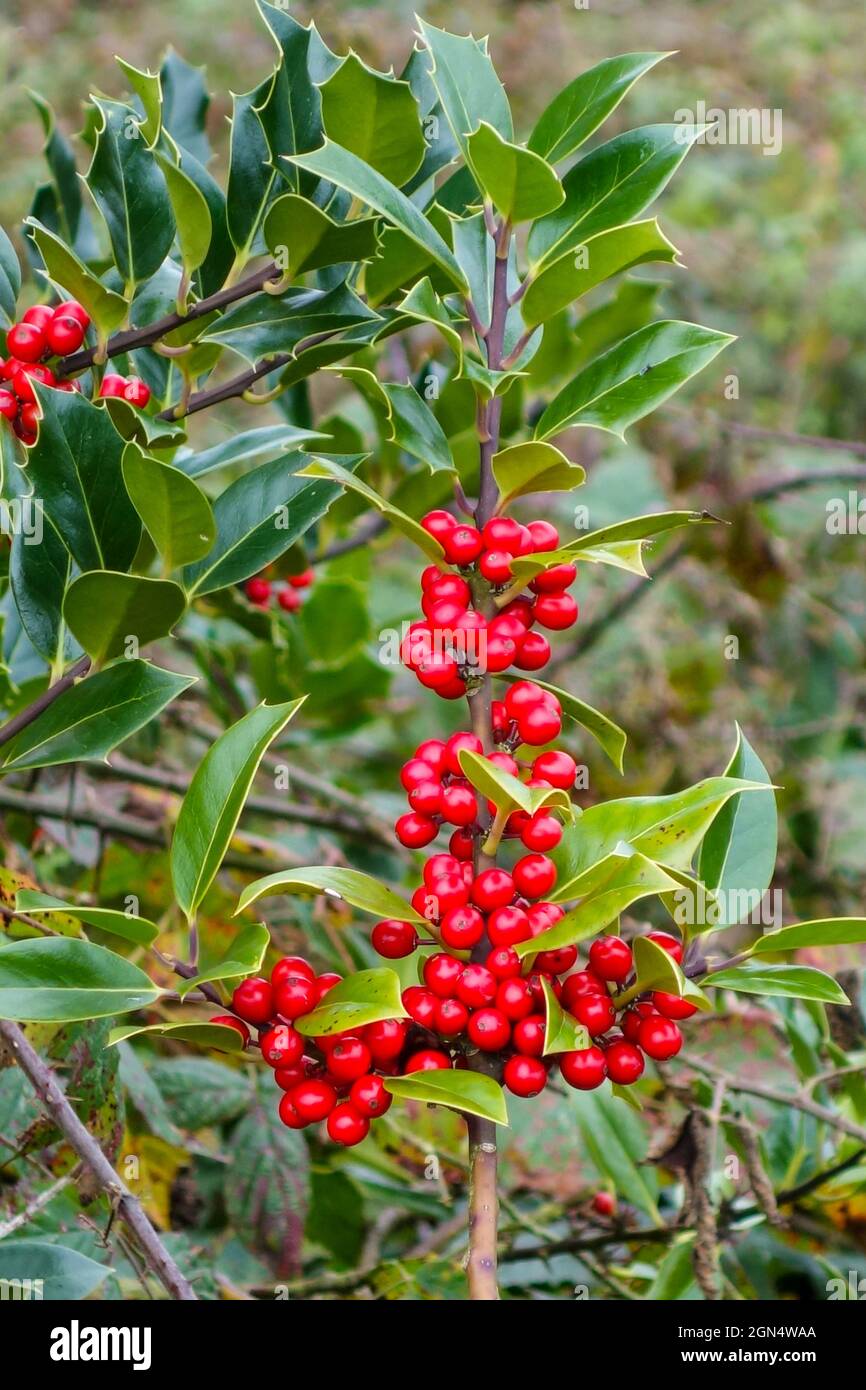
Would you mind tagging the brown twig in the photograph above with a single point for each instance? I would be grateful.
(47, 1088)
(43, 701)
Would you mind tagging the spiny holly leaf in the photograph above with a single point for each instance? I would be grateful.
(353, 887)
(347, 171)
(633, 378)
(580, 108)
(324, 467)
(39, 575)
(375, 117)
(94, 716)
(304, 238)
(404, 417)
(63, 268)
(466, 83)
(130, 192)
(472, 1092)
(267, 324)
(75, 469)
(10, 281)
(191, 213)
(60, 980)
(562, 1032)
(366, 997)
(251, 177)
(508, 792)
(116, 923)
(106, 610)
(609, 187)
(519, 183)
(212, 806)
(794, 981)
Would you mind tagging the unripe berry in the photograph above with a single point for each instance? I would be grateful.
(346, 1125)
(672, 1006)
(228, 1021)
(369, 1097)
(528, 1035)
(524, 1076)
(394, 940)
(611, 958)
(624, 1062)
(489, 1029)
(659, 1037)
(282, 1046)
(253, 999)
(585, 1069)
(313, 1100)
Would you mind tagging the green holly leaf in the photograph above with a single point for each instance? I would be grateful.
(791, 981)
(106, 610)
(72, 278)
(212, 806)
(375, 117)
(738, 853)
(508, 792)
(466, 83)
(244, 957)
(832, 931)
(607, 734)
(323, 467)
(130, 192)
(191, 212)
(10, 281)
(266, 325)
(175, 511)
(471, 1092)
(579, 109)
(405, 419)
(519, 183)
(632, 378)
(94, 716)
(39, 575)
(349, 885)
(362, 998)
(607, 253)
(562, 1032)
(627, 879)
(123, 924)
(301, 237)
(219, 1036)
(534, 467)
(252, 177)
(58, 979)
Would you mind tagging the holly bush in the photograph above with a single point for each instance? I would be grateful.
(276, 1096)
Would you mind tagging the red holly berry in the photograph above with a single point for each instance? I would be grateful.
(228, 1021)
(288, 1113)
(416, 772)
(459, 805)
(385, 1039)
(282, 1046)
(603, 1204)
(64, 334)
(24, 375)
(556, 962)
(414, 831)
(26, 342)
(38, 314)
(541, 724)
(349, 1059)
(525, 1076)
(346, 1125)
(369, 1096)
(528, 1035)
(8, 405)
(294, 997)
(287, 1078)
(611, 958)
(555, 767)
(428, 1059)
(438, 866)
(503, 962)
(450, 891)
(668, 943)
(534, 875)
(290, 966)
(555, 611)
(253, 999)
(462, 844)
(554, 580)
(500, 653)
(534, 652)
(476, 986)
(289, 600)
(493, 888)
(544, 536)
(71, 309)
(672, 1006)
(495, 565)
(325, 983)
(462, 545)
(258, 591)
(313, 1100)
(451, 1018)
(462, 928)
(582, 983)
(585, 1069)
(420, 1004)
(441, 973)
(595, 1012)
(541, 832)
(506, 926)
(659, 1037)
(632, 1018)
(112, 385)
(393, 939)
(504, 533)
(302, 580)
(624, 1062)
(514, 999)
(489, 1029)
(457, 744)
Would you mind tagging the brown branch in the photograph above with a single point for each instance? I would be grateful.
(47, 1088)
(814, 441)
(42, 702)
(132, 338)
(795, 1100)
(237, 385)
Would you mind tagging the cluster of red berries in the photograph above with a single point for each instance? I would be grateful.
(455, 643)
(42, 333)
(260, 590)
(338, 1078)
(437, 790)
(128, 388)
